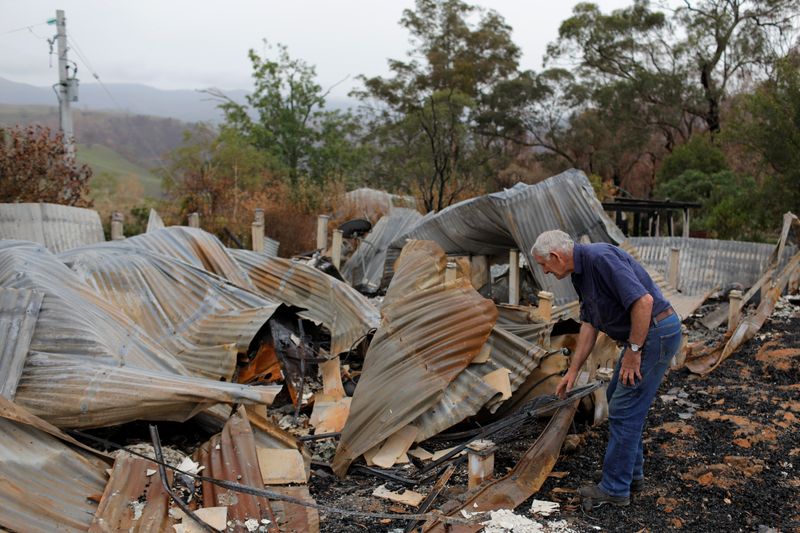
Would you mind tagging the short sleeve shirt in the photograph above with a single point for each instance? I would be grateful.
(608, 280)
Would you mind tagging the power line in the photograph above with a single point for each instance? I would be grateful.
(23, 28)
(79, 52)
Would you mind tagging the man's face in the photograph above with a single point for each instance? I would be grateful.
(553, 264)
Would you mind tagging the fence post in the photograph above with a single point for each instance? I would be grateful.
(116, 226)
(257, 230)
(513, 276)
(194, 220)
(673, 271)
(322, 231)
(336, 252)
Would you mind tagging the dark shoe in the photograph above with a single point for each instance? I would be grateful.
(594, 496)
(637, 485)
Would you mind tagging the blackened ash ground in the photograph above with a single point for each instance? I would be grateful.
(722, 454)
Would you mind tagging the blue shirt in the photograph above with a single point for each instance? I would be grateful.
(608, 280)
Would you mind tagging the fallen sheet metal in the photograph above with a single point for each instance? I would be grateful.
(523, 481)
(705, 264)
(46, 485)
(293, 517)
(340, 308)
(58, 227)
(89, 364)
(778, 274)
(133, 501)
(469, 392)
(200, 318)
(231, 455)
(514, 218)
(364, 269)
(154, 222)
(19, 310)
(194, 246)
(430, 331)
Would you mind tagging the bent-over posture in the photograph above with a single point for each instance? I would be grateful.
(619, 298)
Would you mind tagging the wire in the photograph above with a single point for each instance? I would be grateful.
(272, 495)
(82, 56)
(23, 28)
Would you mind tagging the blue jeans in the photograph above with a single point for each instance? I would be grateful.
(628, 406)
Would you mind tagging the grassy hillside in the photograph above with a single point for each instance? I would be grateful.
(104, 160)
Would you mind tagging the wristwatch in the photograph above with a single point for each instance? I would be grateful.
(634, 347)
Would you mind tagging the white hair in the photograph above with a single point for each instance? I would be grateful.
(552, 241)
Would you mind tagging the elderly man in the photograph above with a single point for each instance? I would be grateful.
(617, 297)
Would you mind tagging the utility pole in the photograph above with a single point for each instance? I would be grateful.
(67, 88)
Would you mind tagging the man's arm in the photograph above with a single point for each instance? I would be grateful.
(641, 313)
(586, 340)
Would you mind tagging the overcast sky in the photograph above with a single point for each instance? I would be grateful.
(181, 44)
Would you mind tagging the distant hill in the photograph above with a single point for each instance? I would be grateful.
(188, 106)
(143, 140)
(184, 105)
(104, 160)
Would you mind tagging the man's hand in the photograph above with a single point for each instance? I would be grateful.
(629, 370)
(566, 384)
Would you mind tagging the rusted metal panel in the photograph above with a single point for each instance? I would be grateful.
(514, 218)
(58, 227)
(231, 455)
(365, 267)
(292, 517)
(132, 500)
(19, 310)
(89, 364)
(469, 393)
(199, 317)
(706, 264)
(45, 484)
(430, 331)
(523, 481)
(372, 203)
(194, 246)
(343, 311)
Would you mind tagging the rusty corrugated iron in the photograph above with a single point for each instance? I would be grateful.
(514, 218)
(89, 364)
(343, 311)
(364, 269)
(469, 393)
(231, 456)
(523, 481)
(19, 310)
(58, 227)
(705, 264)
(45, 485)
(133, 501)
(431, 329)
(201, 318)
(194, 246)
(292, 517)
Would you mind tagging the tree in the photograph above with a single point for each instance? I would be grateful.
(766, 123)
(36, 167)
(432, 108)
(286, 118)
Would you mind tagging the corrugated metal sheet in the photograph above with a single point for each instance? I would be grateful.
(194, 246)
(468, 393)
(45, 484)
(58, 227)
(345, 312)
(200, 318)
(705, 263)
(430, 331)
(231, 455)
(154, 222)
(372, 203)
(292, 517)
(129, 484)
(89, 364)
(491, 224)
(365, 267)
(19, 310)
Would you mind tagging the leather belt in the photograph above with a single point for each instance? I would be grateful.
(663, 314)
